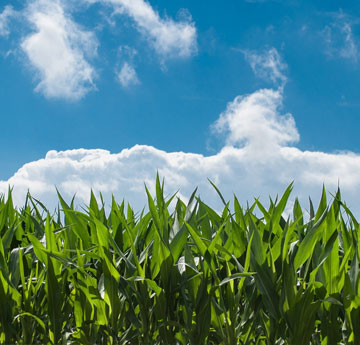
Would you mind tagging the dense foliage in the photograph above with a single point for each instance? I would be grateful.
(190, 276)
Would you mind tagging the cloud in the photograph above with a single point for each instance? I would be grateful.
(350, 49)
(169, 38)
(127, 52)
(57, 51)
(127, 75)
(267, 65)
(263, 165)
(5, 17)
(254, 122)
(339, 38)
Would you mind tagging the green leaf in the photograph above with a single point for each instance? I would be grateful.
(236, 276)
(306, 247)
(198, 241)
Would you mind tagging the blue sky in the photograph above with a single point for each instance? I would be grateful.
(168, 75)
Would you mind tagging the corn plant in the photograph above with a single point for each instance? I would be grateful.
(179, 273)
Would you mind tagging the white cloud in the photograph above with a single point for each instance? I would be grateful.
(127, 52)
(264, 165)
(168, 37)
(127, 75)
(57, 51)
(350, 48)
(339, 37)
(267, 65)
(254, 121)
(5, 16)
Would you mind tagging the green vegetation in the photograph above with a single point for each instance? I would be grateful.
(192, 276)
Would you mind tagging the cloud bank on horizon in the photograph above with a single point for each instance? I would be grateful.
(259, 157)
(256, 161)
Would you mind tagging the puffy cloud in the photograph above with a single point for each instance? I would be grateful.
(5, 16)
(168, 37)
(267, 65)
(57, 51)
(243, 170)
(127, 75)
(255, 122)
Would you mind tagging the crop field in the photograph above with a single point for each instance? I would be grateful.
(247, 275)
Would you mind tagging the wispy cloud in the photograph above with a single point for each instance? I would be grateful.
(57, 51)
(125, 72)
(267, 65)
(169, 38)
(5, 17)
(127, 76)
(339, 38)
(350, 49)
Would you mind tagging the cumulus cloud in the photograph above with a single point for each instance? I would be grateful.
(127, 75)
(5, 17)
(168, 37)
(254, 121)
(249, 170)
(267, 65)
(57, 51)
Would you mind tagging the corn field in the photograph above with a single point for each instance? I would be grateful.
(187, 276)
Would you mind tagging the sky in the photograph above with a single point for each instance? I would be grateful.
(251, 94)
